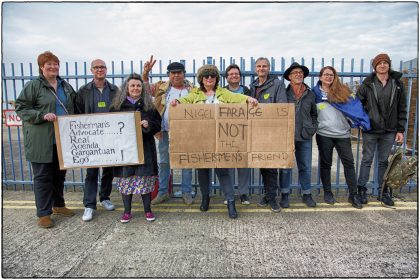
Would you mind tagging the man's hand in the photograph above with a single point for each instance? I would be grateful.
(399, 138)
(147, 68)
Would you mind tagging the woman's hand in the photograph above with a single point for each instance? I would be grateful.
(147, 68)
(252, 101)
(145, 123)
(50, 117)
(174, 102)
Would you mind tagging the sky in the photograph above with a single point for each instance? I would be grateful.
(78, 32)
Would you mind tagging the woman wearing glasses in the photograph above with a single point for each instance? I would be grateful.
(334, 131)
(210, 93)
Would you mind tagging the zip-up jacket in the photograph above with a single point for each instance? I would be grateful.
(84, 97)
(272, 91)
(382, 120)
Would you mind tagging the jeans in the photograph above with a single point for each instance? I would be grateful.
(224, 179)
(384, 142)
(303, 154)
(344, 151)
(243, 179)
(165, 169)
(269, 176)
(48, 185)
(91, 186)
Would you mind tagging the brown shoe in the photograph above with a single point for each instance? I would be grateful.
(45, 222)
(63, 211)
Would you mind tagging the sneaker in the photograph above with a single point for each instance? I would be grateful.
(274, 206)
(160, 198)
(284, 202)
(150, 217)
(63, 211)
(329, 197)
(263, 202)
(354, 201)
(225, 202)
(187, 197)
(386, 198)
(126, 217)
(107, 204)
(244, 199)
(307, 199)
(88, 215)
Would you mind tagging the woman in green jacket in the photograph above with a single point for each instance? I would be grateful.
(210, 93)
(39, 104)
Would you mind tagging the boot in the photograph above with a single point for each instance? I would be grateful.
(205, 201)
(361, 191)
(355, 202)
(63, 211)
(329, 197)
(231, 209)
(284, 203)
(307, 199)
(386, 197)
(45, 222)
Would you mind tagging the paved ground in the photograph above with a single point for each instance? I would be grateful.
(328, 241)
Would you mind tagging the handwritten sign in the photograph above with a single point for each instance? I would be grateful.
(96, 140)
(11, 118)
(232, 135)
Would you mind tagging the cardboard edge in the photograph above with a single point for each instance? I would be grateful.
(139, 136)
(58, 142)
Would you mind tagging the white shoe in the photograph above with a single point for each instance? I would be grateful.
(107, 204)
(225, 202)
(88, 215)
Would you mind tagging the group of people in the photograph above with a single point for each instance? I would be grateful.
(328, 110)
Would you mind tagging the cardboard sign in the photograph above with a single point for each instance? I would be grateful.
(97, 140)
(11, 118)
(232, 135)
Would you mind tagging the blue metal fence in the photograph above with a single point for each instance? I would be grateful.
(16, 171)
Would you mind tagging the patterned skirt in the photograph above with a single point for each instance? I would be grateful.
(136, 184)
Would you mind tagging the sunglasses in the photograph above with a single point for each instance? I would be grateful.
(209, 76)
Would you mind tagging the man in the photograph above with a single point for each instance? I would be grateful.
(164, 92)
(233, 77)
(268, 89)
(383, 97)
(96, 97)
(306, 124)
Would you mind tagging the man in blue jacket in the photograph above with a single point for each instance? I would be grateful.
(383, 97)
(95, 97)
(268, 89)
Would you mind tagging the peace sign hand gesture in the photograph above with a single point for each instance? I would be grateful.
(147, 68)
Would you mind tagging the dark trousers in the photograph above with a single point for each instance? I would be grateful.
(225, 181)
(344, 151)
(91, 186)
(269, 176)
(48, 185)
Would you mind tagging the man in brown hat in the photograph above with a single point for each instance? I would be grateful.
(383, 97)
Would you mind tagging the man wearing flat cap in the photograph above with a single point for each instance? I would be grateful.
(306, 123)
(383, 97)
(164, 92)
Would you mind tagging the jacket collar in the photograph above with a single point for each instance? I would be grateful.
(393, 75)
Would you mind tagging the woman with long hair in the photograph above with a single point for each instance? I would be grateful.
(334, 131)
(138, 179)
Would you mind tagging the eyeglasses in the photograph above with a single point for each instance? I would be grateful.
(209, 76)
(296, 73)
(328, 75)
(99, 67)
(234, 74)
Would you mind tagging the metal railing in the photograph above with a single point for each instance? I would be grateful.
(16, 170)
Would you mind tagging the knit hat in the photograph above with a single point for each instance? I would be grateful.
(381, 57)
(207, 69)
(294, 66)
(175, 67)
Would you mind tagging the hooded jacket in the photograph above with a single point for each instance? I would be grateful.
(33, 103)
(381, 120)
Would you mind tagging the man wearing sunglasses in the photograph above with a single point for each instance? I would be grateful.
(268, 89)
(95, 97)
(164, 92)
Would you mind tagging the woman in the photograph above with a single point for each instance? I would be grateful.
(334, 131)
(305, 127)
(138, 179)
(210, 93)
(39, 104)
